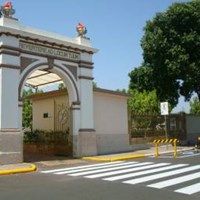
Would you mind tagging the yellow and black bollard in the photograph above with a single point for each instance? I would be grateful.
(166, 141)
(156, 142)
(175, 141)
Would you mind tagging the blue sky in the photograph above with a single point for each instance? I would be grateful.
(115, 27)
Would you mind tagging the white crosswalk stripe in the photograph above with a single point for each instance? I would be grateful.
(175, 181)
(80, 167)
(161, 175)
(81, 171)
(125, 176)
(190, 189)
(102, 170)
(127, 170)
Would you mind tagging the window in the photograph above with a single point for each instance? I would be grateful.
(45, 115)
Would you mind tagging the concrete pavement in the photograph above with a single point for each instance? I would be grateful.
(164, 149)
(28, 167)
(49, 186)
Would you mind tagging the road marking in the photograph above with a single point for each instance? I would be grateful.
(127, 170)
(189, 189)
(81, 167)
(144, 172)
(175, 181)
(94, 168)
(161, 175)
(139, 172)
(103, 170)
(191, 155)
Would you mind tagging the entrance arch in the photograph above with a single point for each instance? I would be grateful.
(48, 129)
(23, 52)
(63, 72)
(72, 89)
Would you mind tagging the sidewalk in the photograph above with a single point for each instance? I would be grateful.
(17, 168)
(28, 167)
(136, 154)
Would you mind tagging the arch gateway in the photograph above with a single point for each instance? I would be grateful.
(99, 117)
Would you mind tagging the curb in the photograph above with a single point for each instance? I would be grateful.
(126, 157)
(19, 170)
(170, 151)
(112, 159)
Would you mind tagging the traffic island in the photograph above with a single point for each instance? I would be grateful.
(17, 168)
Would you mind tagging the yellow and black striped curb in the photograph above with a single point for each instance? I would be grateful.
(30, 168)
(165, 141)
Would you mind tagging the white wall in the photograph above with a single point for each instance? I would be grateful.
(111, 123)
(9, 98)
(39, 108)
(110, 114)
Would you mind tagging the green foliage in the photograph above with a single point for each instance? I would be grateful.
(171, 51)
(27, 110)
(94, 84)
(61, 86)
(47, 137)
(195, 106)
(143, 102)
(122, 90)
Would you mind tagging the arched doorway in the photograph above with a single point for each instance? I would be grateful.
(51, 133)
(25, 51)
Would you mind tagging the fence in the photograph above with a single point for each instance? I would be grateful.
(146, 128)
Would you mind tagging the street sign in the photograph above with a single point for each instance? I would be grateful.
(164, 108)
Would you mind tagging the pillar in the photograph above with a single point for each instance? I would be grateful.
(87, 145)
(11, 140)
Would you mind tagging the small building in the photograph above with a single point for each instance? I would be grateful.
(51, 112)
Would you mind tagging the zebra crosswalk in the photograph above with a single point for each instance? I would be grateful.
(184, 178)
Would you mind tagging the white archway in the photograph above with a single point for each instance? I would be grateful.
(60, 70)
(25, 51)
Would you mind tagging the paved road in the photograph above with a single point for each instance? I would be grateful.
(142, 179)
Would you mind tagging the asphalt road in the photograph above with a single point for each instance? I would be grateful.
(82, 184)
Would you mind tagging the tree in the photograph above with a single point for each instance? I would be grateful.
(121, 90)
(171, 51)
(94, 84)
(61, 86)
(143, 102)
(27, 110)
(195, 106)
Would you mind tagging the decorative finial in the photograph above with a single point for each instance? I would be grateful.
(81, 30)
(7, 9)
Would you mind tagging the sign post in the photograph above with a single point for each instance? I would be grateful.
(164, 109)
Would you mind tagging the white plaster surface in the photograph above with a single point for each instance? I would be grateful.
(9, 41)
(9, 98)
(86, 98)
(86, 57)
(111, 123)
(110, 114)
(9, 60)
(85, 72)
(16, 27)
(39, 108)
